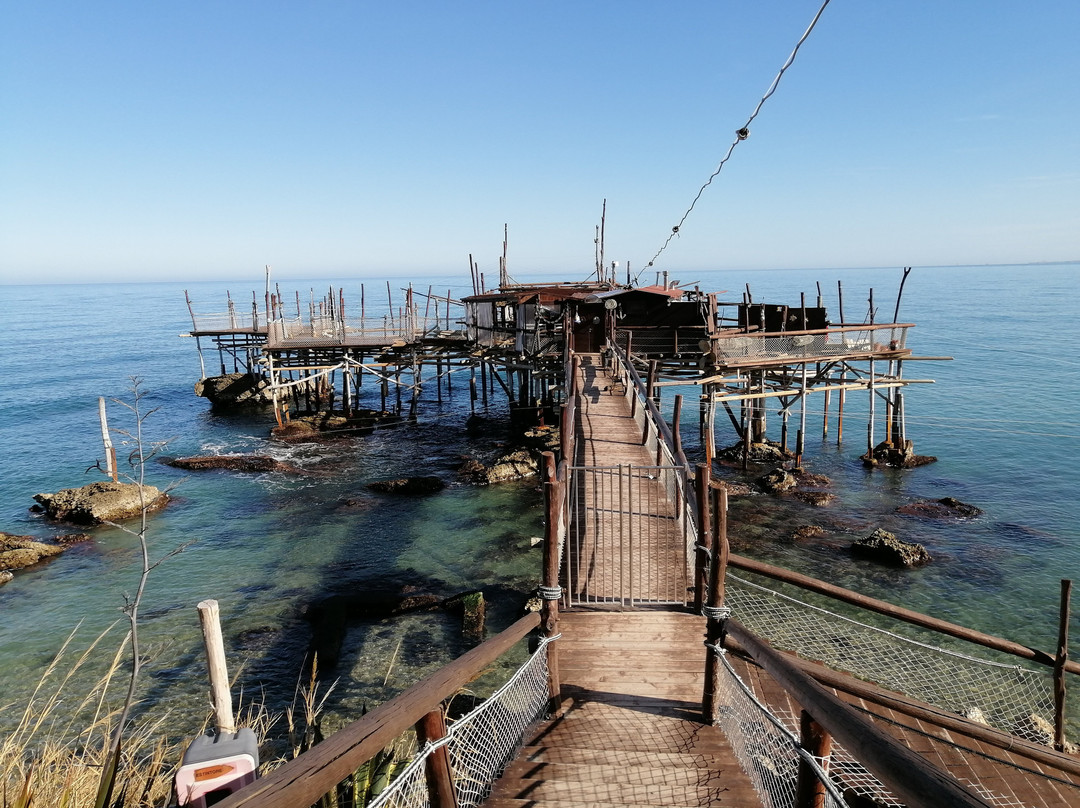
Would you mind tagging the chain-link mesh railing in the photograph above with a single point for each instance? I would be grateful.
(1006, 696)
(480, 743)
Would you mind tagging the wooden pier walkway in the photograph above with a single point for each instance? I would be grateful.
(627, 543)
(629, 731)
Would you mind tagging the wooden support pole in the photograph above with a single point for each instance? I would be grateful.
(550, 592)
(809, 790)
(110, 450)
(429, 729)
(1059, 666)
(714, 628)
(704, 526)
(210, 619)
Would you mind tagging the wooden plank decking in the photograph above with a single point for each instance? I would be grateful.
(627, 543)
(630, 731)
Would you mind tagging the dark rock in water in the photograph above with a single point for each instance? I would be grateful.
(248, 463)
(816, 498)
(514, 465)
(408, 485)
(17, 552)
(811, 480)
(235, 391)
(884, 547)
(944, 508)
(96, 503)
(885, 454)
(66, 539)
(326, 425)
(764, 452)
(806, 532)
(777, 482)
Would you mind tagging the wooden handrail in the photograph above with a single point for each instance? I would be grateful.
(909, 775)
(305, 779)
(900, 613)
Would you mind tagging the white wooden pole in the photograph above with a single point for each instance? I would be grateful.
(110, 452)
(210, 619)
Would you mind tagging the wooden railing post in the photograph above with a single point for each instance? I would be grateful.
(1059, 667)
(429, 729)
(676, 432)
(809, 790)
(704, 520)
(550, 591)
(714, 610)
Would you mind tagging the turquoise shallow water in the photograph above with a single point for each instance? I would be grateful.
(1000, 418)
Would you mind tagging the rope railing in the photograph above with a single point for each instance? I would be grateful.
(733, 346)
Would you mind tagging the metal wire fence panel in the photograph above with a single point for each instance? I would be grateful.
(801, 346)
(481, 743)
(627, 539)
(1005, 696)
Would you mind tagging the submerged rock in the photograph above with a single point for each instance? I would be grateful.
(101, 502)
(944, 508)
(806, 532)
(248, 463)
(408, 485)
(816, 498)
(884, 547)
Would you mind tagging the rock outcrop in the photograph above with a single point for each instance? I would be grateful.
(17, 552)
(234, 391)
(885, 548)
(885, 454)
(514, 465)
(248, 463)
(100, 502)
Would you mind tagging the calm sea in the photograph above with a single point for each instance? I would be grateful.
(1000, 417)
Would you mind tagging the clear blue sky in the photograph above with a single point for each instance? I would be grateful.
(188, 140)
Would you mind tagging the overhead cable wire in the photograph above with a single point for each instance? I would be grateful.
(741, 134)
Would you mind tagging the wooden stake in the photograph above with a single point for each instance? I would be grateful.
(110, 451)
(210, 619)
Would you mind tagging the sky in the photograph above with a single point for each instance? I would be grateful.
(201, 140)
